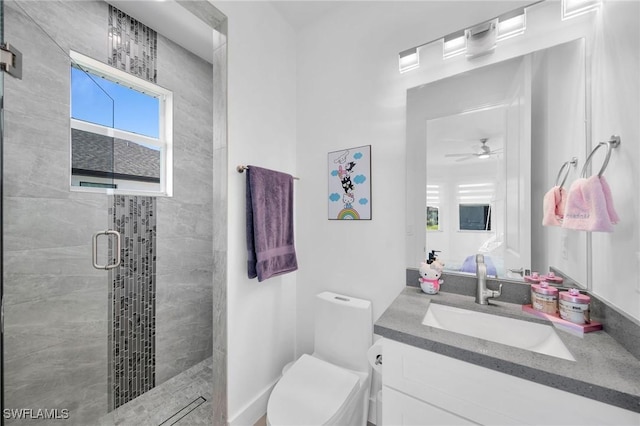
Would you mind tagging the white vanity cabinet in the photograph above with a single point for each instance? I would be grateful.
(425, 388)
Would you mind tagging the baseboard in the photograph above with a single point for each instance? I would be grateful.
(254, 410)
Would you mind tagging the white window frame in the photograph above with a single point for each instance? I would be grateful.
(165, 115)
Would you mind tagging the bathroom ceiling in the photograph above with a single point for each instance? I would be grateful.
(302, 13)
(461, 134)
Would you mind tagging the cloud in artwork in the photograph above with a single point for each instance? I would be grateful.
(360, 179)
(334, 197)
(357, 155)
(363, 201)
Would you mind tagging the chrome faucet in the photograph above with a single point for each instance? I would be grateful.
(482, 292)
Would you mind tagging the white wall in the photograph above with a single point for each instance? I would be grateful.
(293, 97)
(261, 129)
(558, 134)
(616, 108)
(350, 93)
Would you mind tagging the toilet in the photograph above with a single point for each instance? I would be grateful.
(330, 386)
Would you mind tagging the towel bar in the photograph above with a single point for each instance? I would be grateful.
(241, 168)
(565, 168)
(613, 142)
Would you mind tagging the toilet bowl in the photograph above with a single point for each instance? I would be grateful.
(330, 386)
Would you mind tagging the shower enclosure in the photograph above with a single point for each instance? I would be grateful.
(108, 289)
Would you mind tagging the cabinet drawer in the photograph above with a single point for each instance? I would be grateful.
(487, 396)
(399, 409)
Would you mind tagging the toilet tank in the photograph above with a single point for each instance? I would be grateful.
(343, 330)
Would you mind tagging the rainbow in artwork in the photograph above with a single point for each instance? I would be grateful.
(348, 214)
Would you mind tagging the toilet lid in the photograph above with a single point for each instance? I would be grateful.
(310, 393)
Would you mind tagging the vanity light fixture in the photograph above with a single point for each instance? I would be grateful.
(454, 44)
(409, 59)
(573, 8)
(478, 40)
(481, 39)
(512, 24)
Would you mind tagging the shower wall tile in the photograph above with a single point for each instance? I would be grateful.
(39, 264)
(195, 254)
(65, 21)
(220, 100)
(220, 200)
(61, 361)
(220, 301)
(66, 377)
(219, 398)
(45, 84)
(34, 146)
(55, 312)
(30, 223)
(185, 221)
(57, 357)
(132, 313)
(133, 47)
(220, 197)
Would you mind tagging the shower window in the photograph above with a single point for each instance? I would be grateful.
(121, 131)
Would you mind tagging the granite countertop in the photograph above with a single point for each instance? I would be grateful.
(603, 370)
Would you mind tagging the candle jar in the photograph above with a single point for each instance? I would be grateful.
(544, 298)
(574, 307)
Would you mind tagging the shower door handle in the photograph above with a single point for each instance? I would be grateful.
(95, 249)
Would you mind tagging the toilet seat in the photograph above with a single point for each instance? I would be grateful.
(311, 392)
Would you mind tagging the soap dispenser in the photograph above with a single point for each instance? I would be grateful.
(432, 256)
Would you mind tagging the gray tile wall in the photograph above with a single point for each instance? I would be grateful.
(219, 359)
(56, 304)
(185, 261)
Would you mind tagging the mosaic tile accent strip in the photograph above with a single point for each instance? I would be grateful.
(133, 46)
(132, 299)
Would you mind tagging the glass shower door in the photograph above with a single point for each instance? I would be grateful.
(1, 214)
(55, 301)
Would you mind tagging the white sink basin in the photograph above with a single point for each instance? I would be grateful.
(531, 336)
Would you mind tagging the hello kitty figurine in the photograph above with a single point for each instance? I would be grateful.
(430, 278)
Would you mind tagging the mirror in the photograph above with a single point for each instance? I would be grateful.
(495, 139)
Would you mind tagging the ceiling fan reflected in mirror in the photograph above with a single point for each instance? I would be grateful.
(483, 152)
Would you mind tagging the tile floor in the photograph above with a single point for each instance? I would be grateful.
(183, 400)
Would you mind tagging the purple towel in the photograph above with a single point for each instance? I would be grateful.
(469, 265)
(270, 245)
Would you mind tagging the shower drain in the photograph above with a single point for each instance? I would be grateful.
(183, 412)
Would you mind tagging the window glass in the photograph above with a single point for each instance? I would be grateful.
(100, 101)
(475, 217)
(121, 131)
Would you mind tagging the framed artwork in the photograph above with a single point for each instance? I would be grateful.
(349, 172)
(433, 218)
